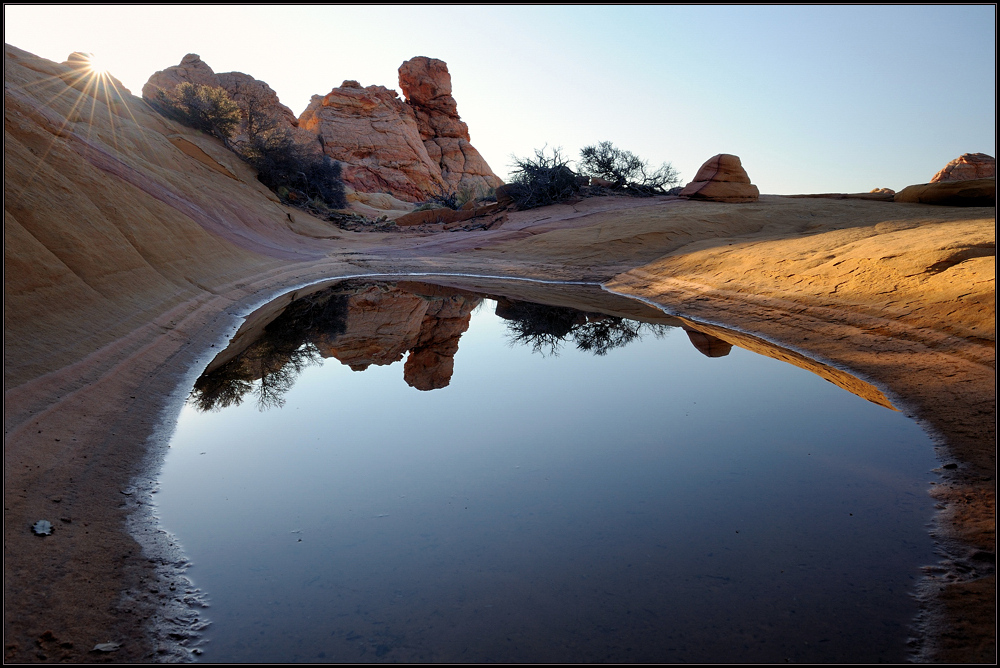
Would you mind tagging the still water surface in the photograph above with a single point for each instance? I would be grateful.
(539, 502)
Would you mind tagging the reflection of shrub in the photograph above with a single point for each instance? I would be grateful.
(542, 327)
(273, 362)
(625, 170)
(205, 108)
(545, 328)
(541, 180)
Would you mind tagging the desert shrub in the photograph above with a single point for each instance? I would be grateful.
(257, 111)
(270, 365)
(298, 175)
(282, 163)
(626, 171)
(427, 206)
(448, 200)
(205, 108)
(541, 180)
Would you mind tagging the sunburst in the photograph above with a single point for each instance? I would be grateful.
(96, 66)
(93, 105)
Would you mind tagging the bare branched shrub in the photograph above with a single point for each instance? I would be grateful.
(282, 163)
(256, 109)
(626, 171)
(205, 108)
(541, 180)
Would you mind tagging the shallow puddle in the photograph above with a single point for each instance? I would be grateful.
(415, 472)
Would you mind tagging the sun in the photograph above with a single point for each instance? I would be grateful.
(95, 65)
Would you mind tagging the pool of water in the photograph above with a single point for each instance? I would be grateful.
(412, 472)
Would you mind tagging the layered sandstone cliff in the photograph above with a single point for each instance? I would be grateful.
(375, 135)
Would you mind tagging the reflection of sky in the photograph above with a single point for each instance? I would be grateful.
(531, 486)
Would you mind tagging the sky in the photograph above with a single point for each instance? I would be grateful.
(812, 98)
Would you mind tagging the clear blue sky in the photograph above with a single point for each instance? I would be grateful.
(813, 99)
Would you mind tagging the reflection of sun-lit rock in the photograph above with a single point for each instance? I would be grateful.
(432, 360)
(383, 325)
(707, 344)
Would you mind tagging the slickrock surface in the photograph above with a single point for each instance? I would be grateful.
(133, 245)
(968, 167)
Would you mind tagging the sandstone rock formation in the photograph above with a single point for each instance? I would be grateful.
(978, 192)
(375, 134)
(192, 69)
(245, 89)
(411, 149)
(241, 87)
(426, 84)
(721, 179)
(967, 167)
(445, 216)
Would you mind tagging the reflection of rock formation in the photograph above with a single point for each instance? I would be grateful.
(432, 359)
(707, 344)
(359, 325)
(383, 325)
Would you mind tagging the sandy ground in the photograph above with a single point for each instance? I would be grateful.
(129, 255)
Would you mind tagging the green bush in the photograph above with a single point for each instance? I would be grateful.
(541, 180)
(205, 108)
(626, 171)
